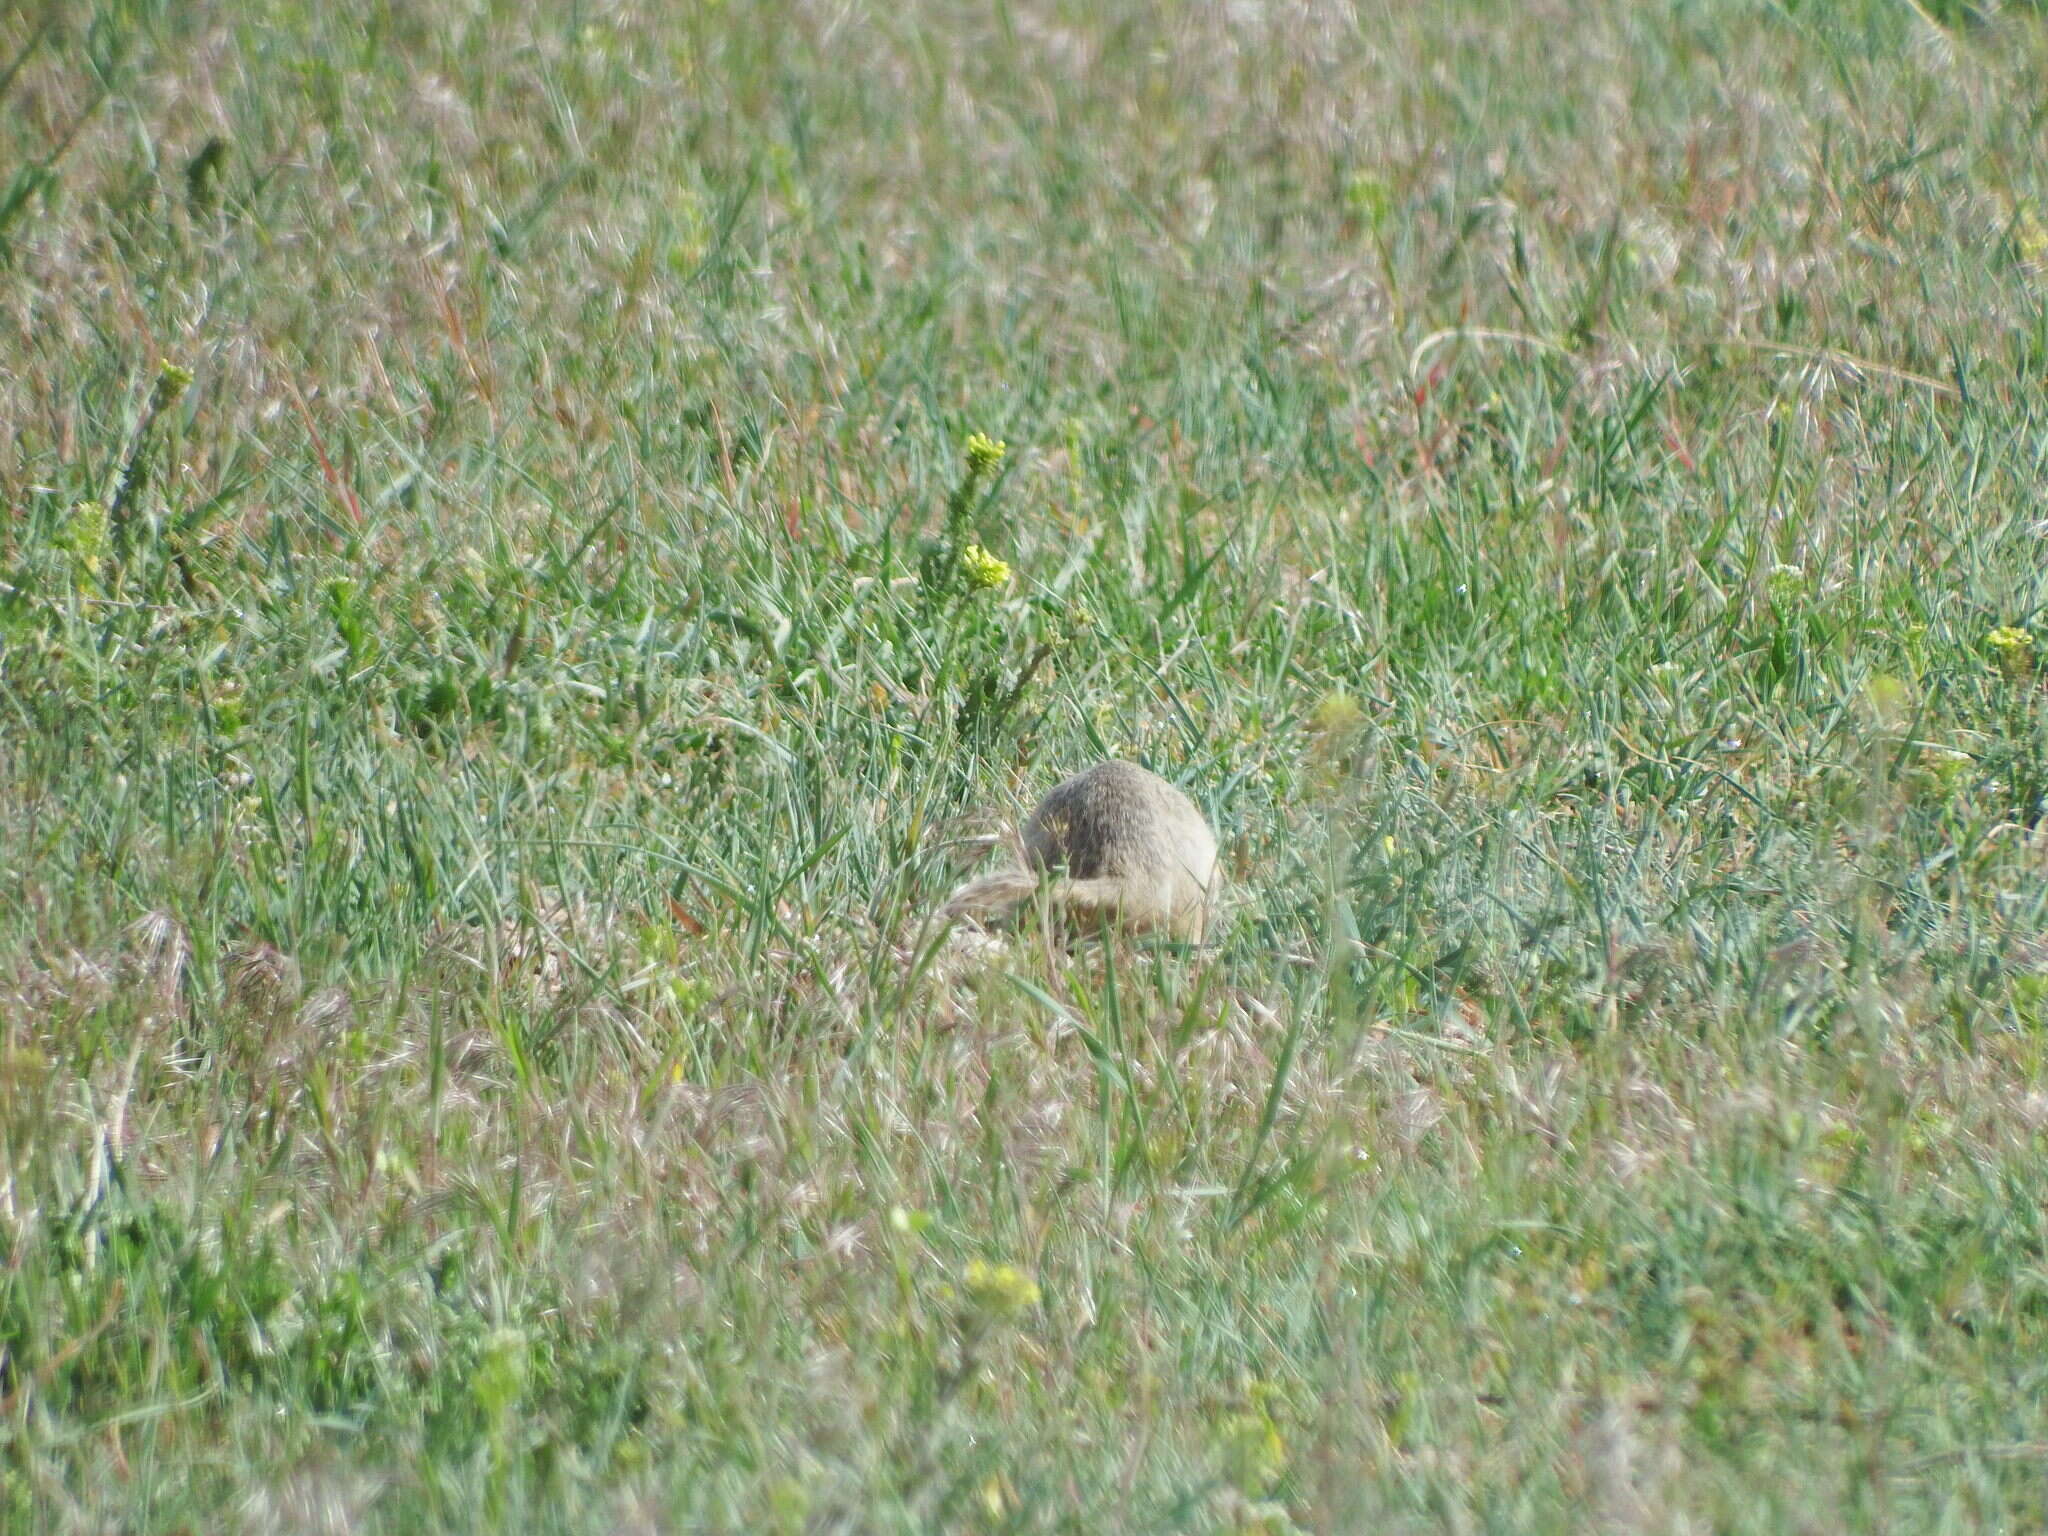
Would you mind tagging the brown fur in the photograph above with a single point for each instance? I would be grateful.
(1122, 845)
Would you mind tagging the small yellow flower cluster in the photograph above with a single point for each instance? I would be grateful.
(1000, 1290)
(984, 453)
(2012, 648)
(983, 570)
(172, 380)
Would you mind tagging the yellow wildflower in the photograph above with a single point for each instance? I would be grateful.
(1001, 1290)
(172, 380)
(984, 453)
(2012, 648)
(983, 570)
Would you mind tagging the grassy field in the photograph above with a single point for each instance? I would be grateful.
(503, 647)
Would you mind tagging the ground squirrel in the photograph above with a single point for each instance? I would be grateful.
(1122, 843)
